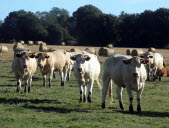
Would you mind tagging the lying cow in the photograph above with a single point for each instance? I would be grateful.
(156, 63)
(86, 71)
(49, 62)
(164, 72)
(124, 71)
(24, 66)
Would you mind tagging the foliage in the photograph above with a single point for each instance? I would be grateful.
(88, 26)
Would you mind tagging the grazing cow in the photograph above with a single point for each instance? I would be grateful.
(124, 71)
(156, 63)
(49, 62)
(24, 66)
(86, 71)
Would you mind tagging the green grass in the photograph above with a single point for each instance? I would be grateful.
(59, 106)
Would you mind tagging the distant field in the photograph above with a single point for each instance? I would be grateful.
(58, 106)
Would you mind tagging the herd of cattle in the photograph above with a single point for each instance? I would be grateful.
(124, 70)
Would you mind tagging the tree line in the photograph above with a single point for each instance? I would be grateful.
(88, 26)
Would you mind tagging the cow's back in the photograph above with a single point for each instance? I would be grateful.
(60, 58)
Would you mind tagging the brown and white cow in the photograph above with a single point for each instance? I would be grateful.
(86, 71)
(156, 63)
(124, 71)
(49, 62)
(24, 66)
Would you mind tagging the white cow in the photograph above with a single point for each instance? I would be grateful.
(156, 63)
(49, 62)
(86, 71)
(24, 66)
(124, 71)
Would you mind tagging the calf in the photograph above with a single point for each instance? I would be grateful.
(124, 71)
(24, 66)
(49, 62)
(86, 71)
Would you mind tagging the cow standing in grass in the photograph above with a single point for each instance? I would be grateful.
(124, 71)
(49, 62)
(24, 66)
(86, 71)
(156, 63)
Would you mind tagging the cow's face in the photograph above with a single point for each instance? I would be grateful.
(24, 58)
(134, 65)
(80, 61)
(148, 56)
(42, 57)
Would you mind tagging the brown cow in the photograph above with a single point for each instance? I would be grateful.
(165, 71)
(49, 62)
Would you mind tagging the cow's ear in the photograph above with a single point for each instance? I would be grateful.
(144, 61)
(18, 54)
(150, 56)
(87, 58)
(32, 55)
(128, 61)
(73, 58)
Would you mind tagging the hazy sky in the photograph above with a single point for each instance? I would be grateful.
(106, 6)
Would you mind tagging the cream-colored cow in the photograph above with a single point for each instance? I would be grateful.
(24, 66)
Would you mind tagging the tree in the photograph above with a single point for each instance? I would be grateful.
(85, 18)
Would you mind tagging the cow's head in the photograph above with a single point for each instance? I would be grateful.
(25, 57)
(135, 64)
(148, 56)
(42, 57)
(80, 61)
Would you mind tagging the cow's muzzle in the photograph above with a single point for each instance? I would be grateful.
(79, 69)
(135, 74)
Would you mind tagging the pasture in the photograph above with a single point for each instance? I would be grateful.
(59, 106)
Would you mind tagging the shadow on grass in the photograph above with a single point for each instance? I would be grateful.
(34, 101)
(41, 108)
(7, 85)
(146, 113)
(55, 109)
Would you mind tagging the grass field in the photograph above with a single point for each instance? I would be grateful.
(58, 106)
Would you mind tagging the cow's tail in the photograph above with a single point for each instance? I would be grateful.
(98, 83)
(110, 91)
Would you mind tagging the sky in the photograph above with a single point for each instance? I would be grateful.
(114, 7)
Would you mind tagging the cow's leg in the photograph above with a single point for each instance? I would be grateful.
(89, 98)
(50, 77)
(18, 85)
(106, 81)
(155, 74)
(138, 99)
(81, 93)
(62, 78)
(69, 73)
(26, 84)
(29, 83)
(119, 96)
(84, 94)
(54, 76)
(130, 99)
(44, 80)
(65, 72)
